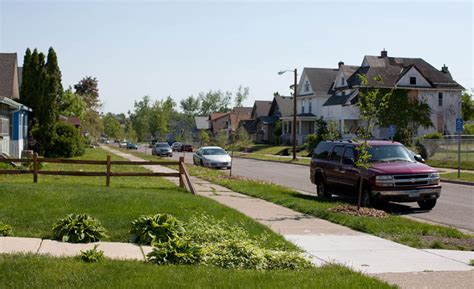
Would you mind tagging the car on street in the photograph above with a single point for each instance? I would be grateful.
(162, 149)
(132, 146)
(152, 144)
(395, 174)
(212, 157)
(123, 144)
(185, 148)
(175, 146)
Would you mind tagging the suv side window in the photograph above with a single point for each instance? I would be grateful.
(348, 154)
(322, 150)
(336, 154)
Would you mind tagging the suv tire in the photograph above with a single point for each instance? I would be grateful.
(366, 199)
(322, 190)
(427, 204)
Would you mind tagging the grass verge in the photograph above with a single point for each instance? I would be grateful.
(32, 271)
(279, 159)
(396, 228)
(466, 177)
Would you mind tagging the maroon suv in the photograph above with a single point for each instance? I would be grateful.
(395, 174)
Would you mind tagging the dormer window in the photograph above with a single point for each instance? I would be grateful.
(342, 81)
(306, 86)
(412, 80)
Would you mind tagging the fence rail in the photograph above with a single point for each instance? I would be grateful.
(183, 175)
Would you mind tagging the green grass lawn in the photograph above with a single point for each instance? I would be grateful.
(31, 209)
(288, 160)
(467, 177)
(27, 271)
(396, 228)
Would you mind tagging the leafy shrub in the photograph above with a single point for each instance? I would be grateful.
(5, 229)
(67, 142)
(92, 255)
(469, 129)
(311, 141)
(80, 228)
(159, 228)
(175, 251)
(433, 135)
(205, 229)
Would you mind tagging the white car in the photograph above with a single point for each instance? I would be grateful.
(212, 157)
(123, 144)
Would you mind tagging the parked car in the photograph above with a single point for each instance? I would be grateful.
(123, 144)
(213, 157)
(395, 174)
(162, 149)
(132, 146)
(175, 146)
(185, 148)
(152, 144)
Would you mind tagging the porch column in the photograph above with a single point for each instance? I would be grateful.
(342, 127)
(299, 128)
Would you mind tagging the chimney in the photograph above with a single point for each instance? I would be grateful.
(383, 53)
(340, 64)
(444, 69)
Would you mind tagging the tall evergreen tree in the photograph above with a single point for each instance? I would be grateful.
(25, 89)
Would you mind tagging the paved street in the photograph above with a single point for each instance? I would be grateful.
(454, 208)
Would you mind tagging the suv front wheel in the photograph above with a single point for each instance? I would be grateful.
(322, 190)
(427, 204)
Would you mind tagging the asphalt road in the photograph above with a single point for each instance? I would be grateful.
(455, 207)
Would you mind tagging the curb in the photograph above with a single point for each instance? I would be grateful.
(457, 182)
(271, 161)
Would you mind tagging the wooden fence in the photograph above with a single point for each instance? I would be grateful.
(183, 175)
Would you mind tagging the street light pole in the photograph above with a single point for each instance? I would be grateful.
(294, 113)
(295, 89)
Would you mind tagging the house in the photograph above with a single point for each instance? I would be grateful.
(281, 109)
(257, 125)
(421, 80)
(229, 121)
(13, 115)
(201, 123)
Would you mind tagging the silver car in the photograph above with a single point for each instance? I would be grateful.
(162, 149)
(212, 157)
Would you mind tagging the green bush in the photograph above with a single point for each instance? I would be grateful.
(311, 141)
(79, 229)
(5, 229)
(67, 142)
(159, 228)
(175, 251)
(433, 135)
(92, 255)
(469, 129)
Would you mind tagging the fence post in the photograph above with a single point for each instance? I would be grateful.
(35, 168)
(107, 177)
(181, 172)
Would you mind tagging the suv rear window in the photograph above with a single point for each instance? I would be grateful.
(322, 150)
(337, 153)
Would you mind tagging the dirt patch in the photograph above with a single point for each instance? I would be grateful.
(363, 212)
(436, 242)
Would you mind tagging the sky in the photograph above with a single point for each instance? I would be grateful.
(181, 48)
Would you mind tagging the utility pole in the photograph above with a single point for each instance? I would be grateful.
(294, 113)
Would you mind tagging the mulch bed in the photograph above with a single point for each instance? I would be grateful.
(363, 212)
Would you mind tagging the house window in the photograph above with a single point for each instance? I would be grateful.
(412, 80)
(342, 81)
(440, 99)
(302, 106)
(310, 106)
(306, 86)
(4, 126)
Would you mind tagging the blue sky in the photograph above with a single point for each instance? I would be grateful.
(181, 48)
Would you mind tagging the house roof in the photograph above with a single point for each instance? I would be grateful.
(202, 122)
(268, 119)
(394, 66)
(249, 125)
(215, 115)
(336, 99)
(261, 108)
(242, 110)
(20, 76)
(321, 79)
(7, 74)
(239, 114)
(284, 104)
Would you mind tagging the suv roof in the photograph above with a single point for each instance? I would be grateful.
(374, 142)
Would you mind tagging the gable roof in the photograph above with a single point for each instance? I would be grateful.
(337, 99)
(261, 108)
(8, 71)
(397, 65)
(282, 103)
(321, 79)
(215, 115)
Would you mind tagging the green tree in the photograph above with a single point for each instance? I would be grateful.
(241, 95)
(141, 118)
(88, 88)
(242, 138)
(221, 138)
(371, 103)
(112, 126)
(71, 104)
(467, 106)
(404, 112)
(204, 137)
(214, 101)
(277, 131)
(161, 117)
(191, 105)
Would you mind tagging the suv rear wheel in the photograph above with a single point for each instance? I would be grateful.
(322, 190)
(427, 204)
